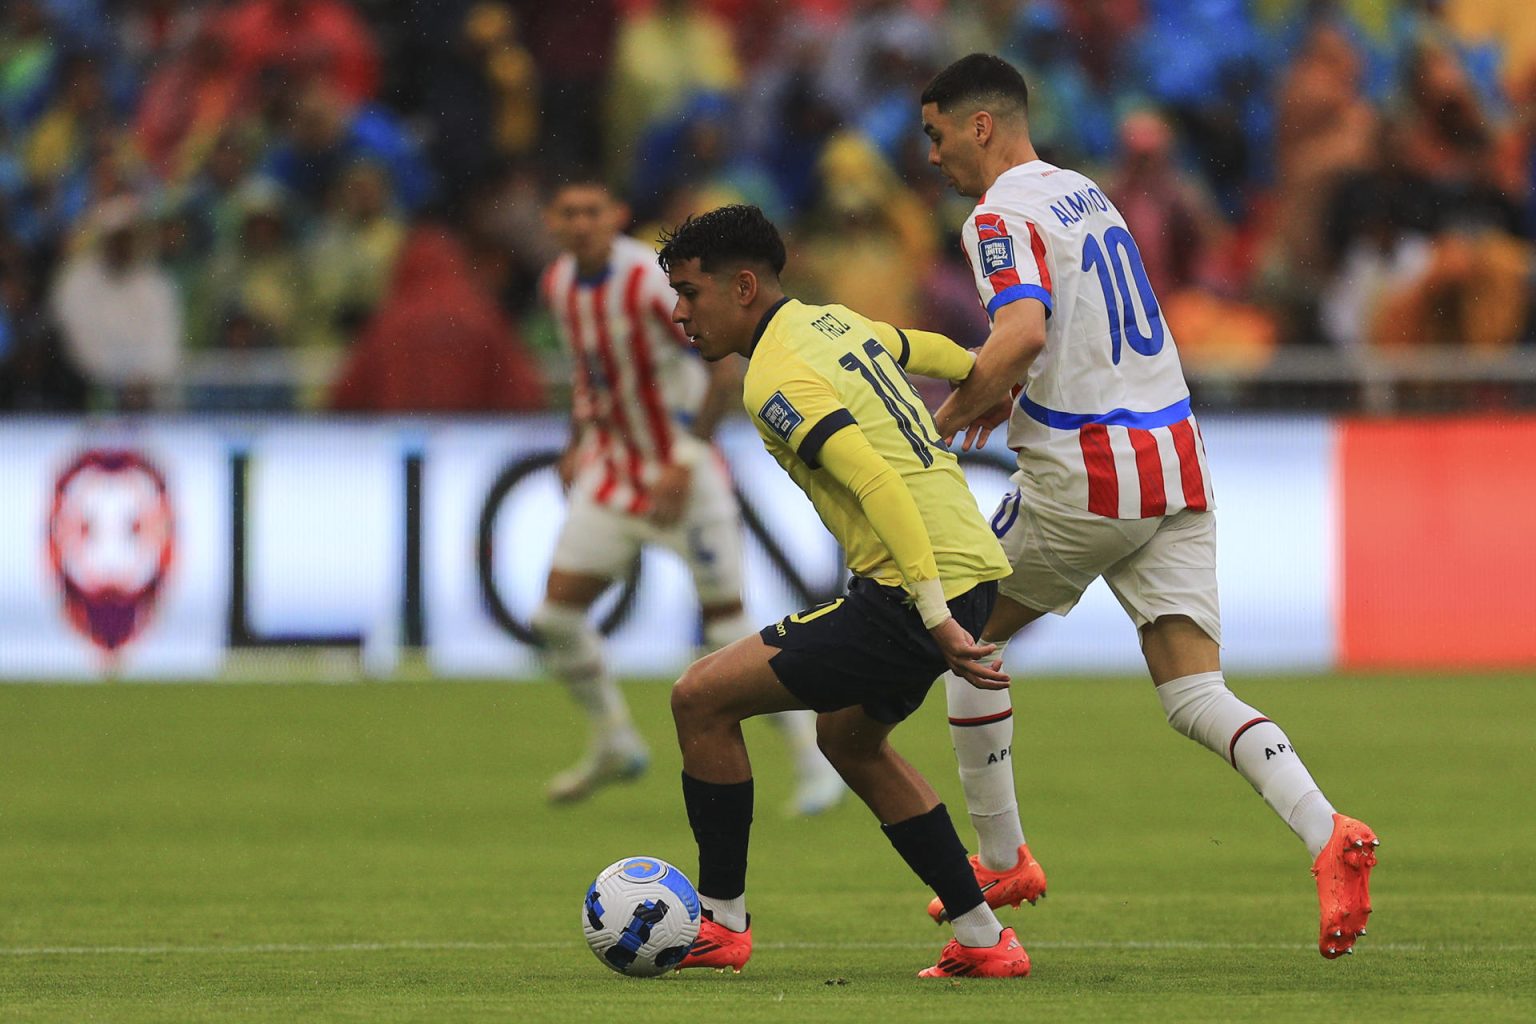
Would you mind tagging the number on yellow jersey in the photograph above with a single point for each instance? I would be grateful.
(898, 401)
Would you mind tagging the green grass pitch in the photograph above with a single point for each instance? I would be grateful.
(383, 853)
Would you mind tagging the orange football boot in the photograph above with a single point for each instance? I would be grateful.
(1343, 873)
(719, 947)
(1022, 883)
(1007, 959)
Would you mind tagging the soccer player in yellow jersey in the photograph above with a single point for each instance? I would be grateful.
(827, 391)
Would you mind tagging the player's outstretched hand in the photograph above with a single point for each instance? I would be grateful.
(968, 658)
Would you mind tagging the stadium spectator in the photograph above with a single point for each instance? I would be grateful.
(437, 343)
(663, 56)
(349, 259)
(1185, 247)
(1073, 116)
(785, 119)
(1169, 210)
(572, 45)
(156, 32)
(695, 150)
(36, 375)
(471, 67)
(324, 40)
(867, 235)
(27, 56)
(325, 138)
(119, 313)
(187, 104)
(62, 136)
(254, 280)
(1324, 132)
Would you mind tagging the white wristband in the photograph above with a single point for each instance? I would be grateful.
(929, 595)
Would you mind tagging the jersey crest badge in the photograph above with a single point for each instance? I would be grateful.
(996, 254)
(780, 416)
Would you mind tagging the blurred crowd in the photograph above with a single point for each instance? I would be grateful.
(336, 204)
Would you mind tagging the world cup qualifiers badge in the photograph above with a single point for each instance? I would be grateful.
(111, 541)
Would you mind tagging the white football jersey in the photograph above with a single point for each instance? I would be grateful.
(1103, 421)
(637, 381)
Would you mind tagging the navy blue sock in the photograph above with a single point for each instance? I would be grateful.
(932, 849)
(721, 817)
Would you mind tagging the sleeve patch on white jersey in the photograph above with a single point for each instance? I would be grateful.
(996, 255)
(780, 416)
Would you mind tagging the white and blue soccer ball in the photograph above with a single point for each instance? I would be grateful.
(641, 916)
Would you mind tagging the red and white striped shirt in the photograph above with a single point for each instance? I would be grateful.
(1103, 420)
(637, 381)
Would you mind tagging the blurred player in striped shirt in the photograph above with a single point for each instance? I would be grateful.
(639, 468)
(1112, 478)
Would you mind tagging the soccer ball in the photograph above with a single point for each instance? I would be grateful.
(641, 916)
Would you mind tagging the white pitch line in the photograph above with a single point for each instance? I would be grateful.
(426, 946)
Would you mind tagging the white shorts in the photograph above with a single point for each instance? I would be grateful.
(1165, 565)
(601, 541)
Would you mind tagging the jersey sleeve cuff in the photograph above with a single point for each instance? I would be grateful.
(1013, 293)
(810, 446)
(906, 349)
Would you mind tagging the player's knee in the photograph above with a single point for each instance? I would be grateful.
(1201, 707)
(693, 705)
(570, 645)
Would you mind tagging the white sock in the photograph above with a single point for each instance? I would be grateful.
(983, 749)
(731, 914)
(978, 926)
(572, 651)
(1202, 708)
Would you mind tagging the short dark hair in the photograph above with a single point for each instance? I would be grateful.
(729, 234)
(978, 78)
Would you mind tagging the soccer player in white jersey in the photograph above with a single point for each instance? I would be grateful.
(1112, 478)
(639, 469)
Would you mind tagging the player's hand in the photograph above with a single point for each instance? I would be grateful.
(566, 467)
(982, 426)
(670, 494)
(968, 657)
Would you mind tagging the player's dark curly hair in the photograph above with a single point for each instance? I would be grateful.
(727, 235)
(978, 78)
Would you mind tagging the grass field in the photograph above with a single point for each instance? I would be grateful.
(383, 853)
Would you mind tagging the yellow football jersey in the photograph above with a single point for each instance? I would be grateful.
(815, 370)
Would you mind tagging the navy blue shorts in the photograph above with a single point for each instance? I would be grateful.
(869, 648)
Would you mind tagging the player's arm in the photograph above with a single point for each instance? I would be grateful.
(846, 455)
(926, 352)
(984, 398)
(1010, 264)
(567, 464)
